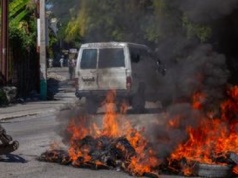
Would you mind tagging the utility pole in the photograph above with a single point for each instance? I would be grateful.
(4, 41)
(43, 68)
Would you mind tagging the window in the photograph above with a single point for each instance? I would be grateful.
(89, 59)
(138, 54)
(111, 57)
(135, 55)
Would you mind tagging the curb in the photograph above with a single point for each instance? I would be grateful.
(38, 112)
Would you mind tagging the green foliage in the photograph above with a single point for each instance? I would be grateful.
(18, 18)
(123, 20)
(72, 30)
(24, 34)
(201, 31)
(17, 10)
(22, 25)
(159, 5)
(3, 98)
(152, 34)
(105, 20)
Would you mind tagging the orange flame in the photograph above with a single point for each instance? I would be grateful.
(235, 169)
(144, 159)
(213, 138)
(197, 100)
(174, 122)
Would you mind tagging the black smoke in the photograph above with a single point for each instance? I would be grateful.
(206, 11)
(193, 67)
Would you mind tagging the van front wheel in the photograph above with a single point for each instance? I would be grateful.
(91, 105)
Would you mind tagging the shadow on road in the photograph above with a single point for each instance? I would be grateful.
(11, 158)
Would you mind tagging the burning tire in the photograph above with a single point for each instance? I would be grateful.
(213, 171)
(234, 157)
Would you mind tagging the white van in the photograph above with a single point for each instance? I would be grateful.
(127, 68)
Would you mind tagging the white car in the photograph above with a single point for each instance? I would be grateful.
(127, 68)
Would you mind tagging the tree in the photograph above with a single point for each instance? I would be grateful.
(96, 21)
(22, 39)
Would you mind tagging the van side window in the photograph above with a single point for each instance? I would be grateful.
(89, 59)
(111, 57)
(138, 54)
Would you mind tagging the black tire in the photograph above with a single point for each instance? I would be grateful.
(138, 100)
(91, 105)
(2, 130)
(214, 171)
(8, 137)
(15, 145)
(138, 104)
(234, 157)
(6, 149)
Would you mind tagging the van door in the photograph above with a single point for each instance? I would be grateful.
(111, 69)
(88, 70)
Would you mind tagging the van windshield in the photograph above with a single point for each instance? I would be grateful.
(89, 59)
(111, 57)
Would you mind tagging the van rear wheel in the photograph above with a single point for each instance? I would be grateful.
(138, 100)
(138, 104)
(138, 107)
(91, 105)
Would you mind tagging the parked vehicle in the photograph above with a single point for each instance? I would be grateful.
(127, 68)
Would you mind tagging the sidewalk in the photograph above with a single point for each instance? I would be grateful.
(64, 99)
(33, 108)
